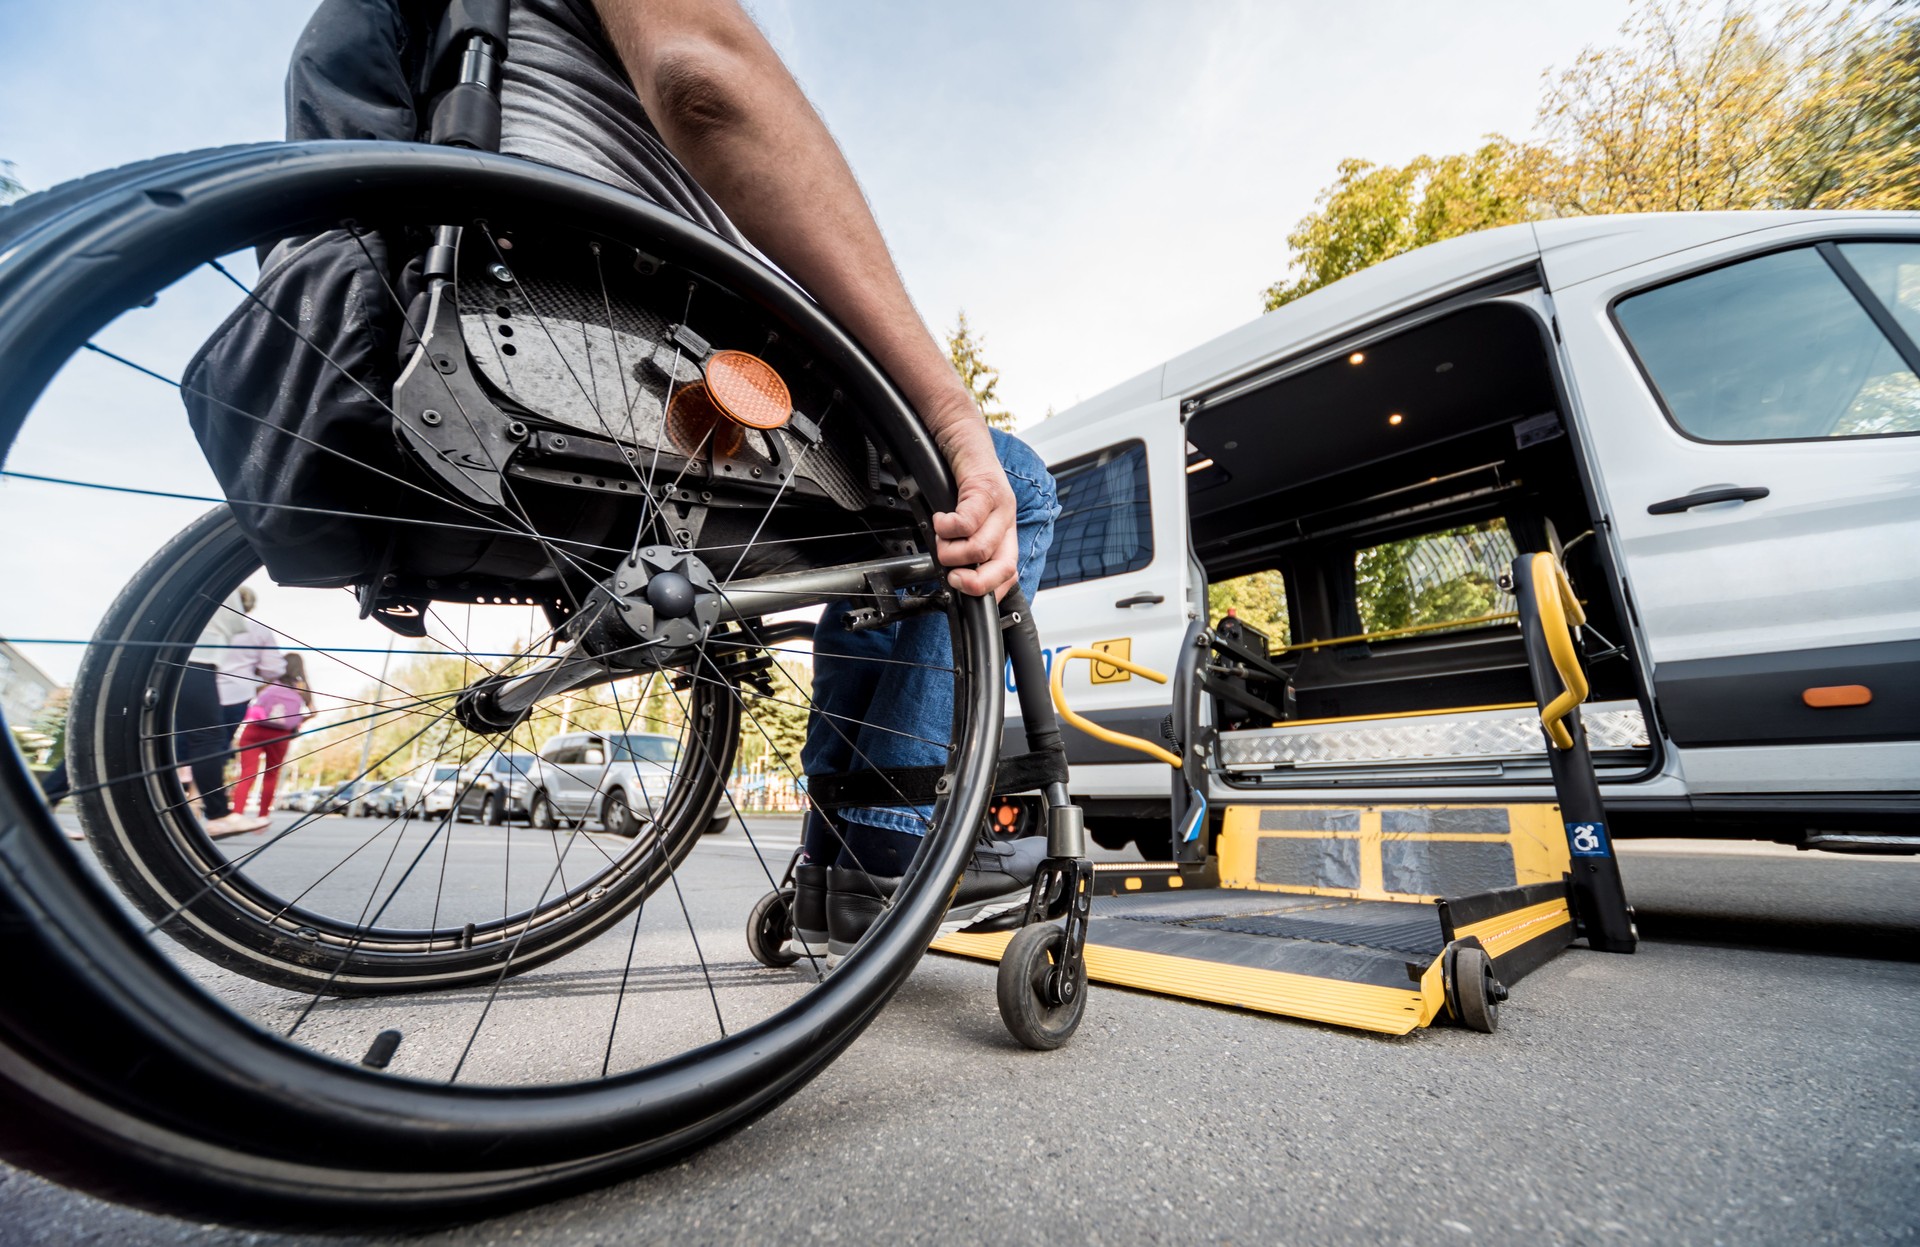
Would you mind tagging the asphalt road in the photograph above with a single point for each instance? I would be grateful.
(1749, 1076)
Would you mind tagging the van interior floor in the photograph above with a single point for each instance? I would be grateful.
(1301, 924)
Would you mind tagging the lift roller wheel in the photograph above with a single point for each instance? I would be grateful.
(1473, 994)
(770, 930)
(1040, 1008)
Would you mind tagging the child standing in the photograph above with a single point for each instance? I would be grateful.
(274, 716)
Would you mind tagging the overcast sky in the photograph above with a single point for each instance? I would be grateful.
(1099, 185)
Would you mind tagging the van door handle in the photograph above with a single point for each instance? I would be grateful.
(1707, 497)
(1142, 599)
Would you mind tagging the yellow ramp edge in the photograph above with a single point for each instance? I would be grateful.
(1362, 1006)
(1503, 933)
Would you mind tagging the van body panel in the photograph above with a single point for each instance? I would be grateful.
(1581, 249)
(1885, 766)
(1726, 609)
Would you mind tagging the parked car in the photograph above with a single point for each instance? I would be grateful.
(494, 787)
(435, 787)
(619, 778)
(337, 799)
(383, 798)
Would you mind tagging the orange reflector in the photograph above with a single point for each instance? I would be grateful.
(1831, 695)
(694, 421)
(748, 390)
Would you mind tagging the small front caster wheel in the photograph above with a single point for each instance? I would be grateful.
(1473, 994)
(1041, 1009)
(770, 930)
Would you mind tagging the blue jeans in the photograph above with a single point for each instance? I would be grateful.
(883, 698)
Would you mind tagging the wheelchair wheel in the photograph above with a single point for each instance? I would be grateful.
(770, 929)
(188, 1031)
(236, 905)
(1028, 1003)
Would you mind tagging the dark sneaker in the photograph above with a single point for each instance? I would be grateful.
(855, 901)
(992, 893)
(810, 910)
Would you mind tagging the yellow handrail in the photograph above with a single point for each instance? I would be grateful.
(1094, 729)
(1560, 613)
(1393, 632)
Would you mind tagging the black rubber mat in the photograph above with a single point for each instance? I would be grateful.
(1358, 925)
(1392, 926)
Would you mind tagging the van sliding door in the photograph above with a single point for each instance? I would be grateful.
(1756, 423)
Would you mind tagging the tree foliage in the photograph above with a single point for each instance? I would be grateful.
(982, 379)
(1693, 110)
(1260, 599)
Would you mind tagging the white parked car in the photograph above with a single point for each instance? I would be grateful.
(618, 778)
(438, 784)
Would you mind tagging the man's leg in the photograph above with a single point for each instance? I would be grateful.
(906, 720)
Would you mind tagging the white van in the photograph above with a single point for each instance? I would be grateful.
(1714, 418)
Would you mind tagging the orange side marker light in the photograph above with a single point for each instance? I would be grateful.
(1830, 696)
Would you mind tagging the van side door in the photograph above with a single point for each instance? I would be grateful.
(1116, 577)
(1754, 409)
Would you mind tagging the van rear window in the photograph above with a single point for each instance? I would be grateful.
(1106, 518)
(1451, 576)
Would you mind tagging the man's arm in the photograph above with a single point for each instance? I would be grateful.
(734, 116)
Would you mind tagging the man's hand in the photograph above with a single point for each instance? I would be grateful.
(980, 528)
(736, 119)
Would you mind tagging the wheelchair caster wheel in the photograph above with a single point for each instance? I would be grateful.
(770, 930)
(1473, 994)
(1041, 1007)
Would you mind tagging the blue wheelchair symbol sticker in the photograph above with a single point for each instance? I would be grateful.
(1587, 839)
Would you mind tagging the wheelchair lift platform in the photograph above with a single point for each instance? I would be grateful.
(1347, 915)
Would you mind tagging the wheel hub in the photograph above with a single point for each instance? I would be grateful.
(659, 602)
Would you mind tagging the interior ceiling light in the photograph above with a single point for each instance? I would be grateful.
(1198, 467)
(1395, 418)
(1358, 357)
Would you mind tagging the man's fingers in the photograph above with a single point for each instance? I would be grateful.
(977, 546)
(965, 518)
(994, 576)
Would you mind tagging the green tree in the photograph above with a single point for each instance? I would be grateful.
(776, 727)
(1259, 598)
(1694, 109)
(981, 378)
(1372, 212)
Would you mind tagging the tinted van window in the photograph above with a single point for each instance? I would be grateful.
(1773, 349)
(1106, 518)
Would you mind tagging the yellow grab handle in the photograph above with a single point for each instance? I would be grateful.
(1560, 613)
(1094, 729)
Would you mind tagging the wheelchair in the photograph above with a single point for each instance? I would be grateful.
(611, 459)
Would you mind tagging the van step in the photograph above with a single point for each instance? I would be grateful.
(1485, 733)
